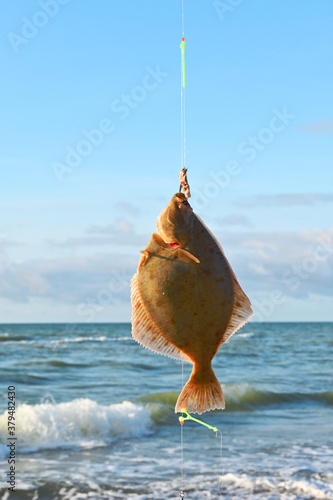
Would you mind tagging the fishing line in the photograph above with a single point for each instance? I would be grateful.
(182, 94)
(182, 166)
(182, 419)
(182, 494)
(185, 414)
(184, 185)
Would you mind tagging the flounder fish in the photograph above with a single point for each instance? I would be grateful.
(186, 301)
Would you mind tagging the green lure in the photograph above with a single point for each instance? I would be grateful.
(182, 48)
(189, 417)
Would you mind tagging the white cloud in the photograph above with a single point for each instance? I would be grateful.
(285, 200)
(120, 233)
(128, 208)
(68, 280)
(134, 240)
(258, 268)
(233, 220)
(318, 126)
(6, 242)
(121, 225)
(298, 264)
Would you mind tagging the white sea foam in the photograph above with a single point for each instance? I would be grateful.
(241, 485)
(9, 342)
(81, 422)
(200, 487)
(67, 340)
(244, 335)
(239, 392)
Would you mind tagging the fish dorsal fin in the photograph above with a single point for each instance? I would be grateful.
(146, 332)
(241, 312)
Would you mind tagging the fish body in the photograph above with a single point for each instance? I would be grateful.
(186, 301)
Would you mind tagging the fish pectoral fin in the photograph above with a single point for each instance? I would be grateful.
(185, 256)
(154, 247)
(145, 256)
(158, 247)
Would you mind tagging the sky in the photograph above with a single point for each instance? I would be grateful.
(91, 149)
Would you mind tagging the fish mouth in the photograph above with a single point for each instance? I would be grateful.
(174, 244)
(182, 200)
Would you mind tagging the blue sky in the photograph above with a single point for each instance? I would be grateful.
(90, 129)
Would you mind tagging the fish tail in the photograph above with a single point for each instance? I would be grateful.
(202, 392)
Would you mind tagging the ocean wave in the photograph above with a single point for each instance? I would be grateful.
(245, 396)
(102, 338)
(81, 422)
(55, 363)
(5, 337)
(67, 340)
(85, 423)
(200, 487)
(244, 335)
(245, 486)
(21, 339)
(242, 397)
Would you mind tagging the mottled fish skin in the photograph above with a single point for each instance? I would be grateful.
(187, 301)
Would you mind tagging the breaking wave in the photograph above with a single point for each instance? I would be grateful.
(241, 397)
(87, 424)
(82, 422)
(244, 486)
(22, 339)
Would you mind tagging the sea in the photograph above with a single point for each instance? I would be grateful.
(94, 416)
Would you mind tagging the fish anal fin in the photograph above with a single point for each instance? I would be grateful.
(241, 313)
(146, 332)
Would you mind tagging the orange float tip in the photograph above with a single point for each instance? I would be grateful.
(183, 39)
